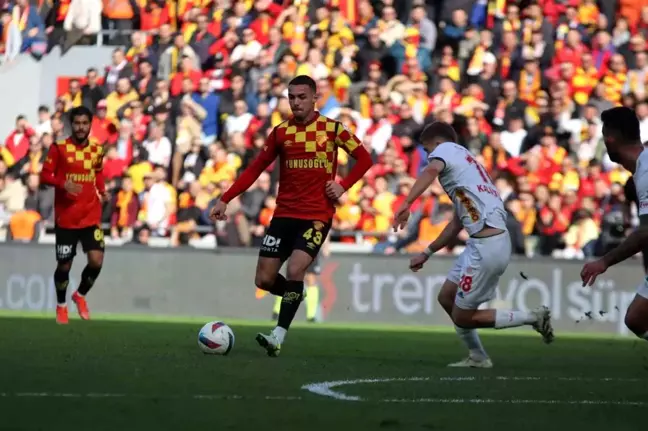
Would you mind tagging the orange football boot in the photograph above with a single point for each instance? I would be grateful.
(61, 315)
(82, 305)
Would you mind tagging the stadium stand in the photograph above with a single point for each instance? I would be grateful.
(194, 86)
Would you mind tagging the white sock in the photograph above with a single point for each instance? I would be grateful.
(77, 292)
(471, 339)
(62, 305)
(511, 319)
(279, 333)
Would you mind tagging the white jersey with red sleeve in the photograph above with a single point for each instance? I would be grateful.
(474, 196)
(641, 182)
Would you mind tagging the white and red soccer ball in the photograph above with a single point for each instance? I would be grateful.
(216, 338)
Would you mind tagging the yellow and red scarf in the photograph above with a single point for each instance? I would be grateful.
(123, 202)
(614, 83)
(529, 86)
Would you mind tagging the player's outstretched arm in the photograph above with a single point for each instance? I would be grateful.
(51, 174)
(250, 175)
(628, 248)
(632, 245)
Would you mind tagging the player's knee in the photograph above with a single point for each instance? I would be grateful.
(95, 258)
(264, 280)
(636, 323)
(295, 273)
(64, 266)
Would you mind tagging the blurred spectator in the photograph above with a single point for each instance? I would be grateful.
(125, 210)
(91, 92)
(17, 143)
(12, 195)
(39, 199)
(82, 22)
(11, 43)
(31, 27)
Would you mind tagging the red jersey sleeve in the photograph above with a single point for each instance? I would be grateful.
(51, 174)
(248, 177)
(352, 145)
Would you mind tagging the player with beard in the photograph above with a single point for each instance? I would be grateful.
(74, 167)
(622, 137)
(307, 145)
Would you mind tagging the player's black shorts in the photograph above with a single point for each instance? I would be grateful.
(287, 234)
(91, 238)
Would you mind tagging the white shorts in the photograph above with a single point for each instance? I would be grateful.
(478, 269)
(642, 290)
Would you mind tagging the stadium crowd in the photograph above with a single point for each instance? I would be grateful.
(194, 86)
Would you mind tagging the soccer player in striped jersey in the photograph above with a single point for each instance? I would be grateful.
(307, 146)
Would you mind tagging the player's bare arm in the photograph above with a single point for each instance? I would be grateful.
(247, 178)
(423, 182)
(632, 245)
(450, 232)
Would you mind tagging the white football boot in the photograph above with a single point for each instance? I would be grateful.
(473, 362)
(543, 323)
(269, 343)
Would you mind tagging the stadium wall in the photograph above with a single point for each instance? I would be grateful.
(368, 289)
(25, 84)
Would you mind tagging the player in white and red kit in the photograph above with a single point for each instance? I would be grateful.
(622, 136)
(480, 211)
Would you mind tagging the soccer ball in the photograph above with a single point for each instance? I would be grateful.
(216, 338)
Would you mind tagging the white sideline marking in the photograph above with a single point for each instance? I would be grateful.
(514, 401)
(146, 396)
(326, 389)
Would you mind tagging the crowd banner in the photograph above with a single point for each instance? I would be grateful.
(362, 288)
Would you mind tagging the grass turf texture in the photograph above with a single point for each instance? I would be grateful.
(157, 369)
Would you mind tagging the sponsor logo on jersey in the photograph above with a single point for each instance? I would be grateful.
(321, 139)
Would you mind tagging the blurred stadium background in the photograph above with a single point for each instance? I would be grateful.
(185, 91)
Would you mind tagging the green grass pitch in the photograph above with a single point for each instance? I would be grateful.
(136, 373)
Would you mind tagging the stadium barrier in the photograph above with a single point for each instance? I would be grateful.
(367, 289)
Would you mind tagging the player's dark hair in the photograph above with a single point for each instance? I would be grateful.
(304, 80)
(78, 112)
(439, 129)
(622, 121)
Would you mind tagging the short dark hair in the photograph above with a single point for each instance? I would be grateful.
(78, 112)
(439, 129)
(304, 80)
(622, 121)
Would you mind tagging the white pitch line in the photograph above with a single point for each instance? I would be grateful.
(515, 401)
(145, 396)
(326, 389)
